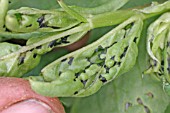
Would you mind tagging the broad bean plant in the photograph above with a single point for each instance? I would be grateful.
(84, 71)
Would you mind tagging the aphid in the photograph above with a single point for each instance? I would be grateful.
(21, 60)
(35, 55)
(40, 20)
(168, 44)
(135, 39)
(84, 81)
(113, 57)
(39, 47)
(70, 60)
(77, 75)
(118, 63)
(107, 69)
(103, 79)
(75, 92)
(52, 43)
(29, 25)
(64, 39)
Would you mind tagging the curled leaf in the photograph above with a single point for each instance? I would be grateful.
(84, 71)
(158, 48)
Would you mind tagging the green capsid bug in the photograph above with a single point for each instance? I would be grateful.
(85, 71)
(158, 48)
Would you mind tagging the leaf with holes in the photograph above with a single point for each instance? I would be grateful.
(87, 69)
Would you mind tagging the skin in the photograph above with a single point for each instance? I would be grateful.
(17, 96)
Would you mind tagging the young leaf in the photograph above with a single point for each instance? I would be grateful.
(87, 69)
(28, 19)
(158, 48)
(3, 11)
(17, 64)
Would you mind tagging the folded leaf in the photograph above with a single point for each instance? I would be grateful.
(84, 71)
(158, 47)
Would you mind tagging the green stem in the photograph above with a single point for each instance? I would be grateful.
(111, 18)
(116, 17)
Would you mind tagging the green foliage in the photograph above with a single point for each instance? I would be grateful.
(122, 51)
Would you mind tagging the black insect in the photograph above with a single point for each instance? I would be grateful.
(75, 92)
(99, 48)
(168, 44)
(106, 68)
(29, 25)
(87, 67)
(155, 63)
(54, 27)
(63, 60)
(84, 81)
(21, 60)
(119, 63)
(35, 55)
(39, 47)
(52, 43)
(77, 75)
(114, 63)
(40, 20)
(103, 79)
(124, 52)
(135, 39)
(59, 73)
(70, 60)
(113, 57)
(64, 39)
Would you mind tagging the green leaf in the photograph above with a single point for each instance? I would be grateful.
(87, 69)
(123, 96)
